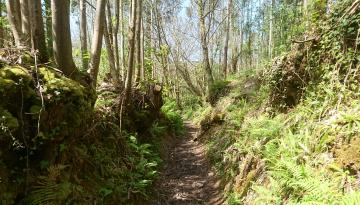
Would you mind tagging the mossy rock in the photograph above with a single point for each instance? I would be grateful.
(62, 105)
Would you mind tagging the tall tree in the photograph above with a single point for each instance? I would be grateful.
(131, 39)
(115, 36)
(1, 26)
(62, 38)
(25, 21)
(201, 4)
(38, 41)
(227, 36)
(271, 29)
(13, 11)
(122, 41)
(97, 41)
(110, 50)
(138, 41)
(83, 35)
(48, 25)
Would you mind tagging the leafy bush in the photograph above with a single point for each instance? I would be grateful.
(175, 122)
(217, 90)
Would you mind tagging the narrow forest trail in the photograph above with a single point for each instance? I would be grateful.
(187, 178)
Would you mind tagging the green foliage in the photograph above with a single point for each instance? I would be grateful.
(218, 89)
(172, 114)
(145, 169)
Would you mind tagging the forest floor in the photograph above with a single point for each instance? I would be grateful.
(187, 178)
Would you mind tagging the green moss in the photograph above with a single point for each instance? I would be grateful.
(6, 84)
(16, 73)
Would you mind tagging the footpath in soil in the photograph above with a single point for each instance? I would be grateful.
(187, 178)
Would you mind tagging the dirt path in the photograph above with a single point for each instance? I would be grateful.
(187, 178)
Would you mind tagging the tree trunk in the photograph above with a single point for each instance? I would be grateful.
(25, 21)
(204, 44)
(110, 55)
(138, 41)
(83, 35)
(131, 39)
(122, 42)
(271, 29)
(109, 20)
(14, 20)
(97, 41)
(227, 36)
(62, 38)
(38, 41)
(115, 36)
(1, 27)
(48, 24)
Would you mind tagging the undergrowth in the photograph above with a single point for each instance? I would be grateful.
(306, 153)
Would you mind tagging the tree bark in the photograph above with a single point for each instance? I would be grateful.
(1, 27)
(62, 38)
(204, 44)
(115, 36)
(38, 41)
(14, 20)
(122, 42)
(227, 36)
(271, 29)
(138, 41)
(97, 41)
(83, 35)
(131, 39)
(110, 55)
(25, 21)
(48, 25)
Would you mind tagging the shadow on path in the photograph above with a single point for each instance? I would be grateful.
(187, 178)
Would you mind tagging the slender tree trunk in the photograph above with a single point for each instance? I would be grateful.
(38, 41)
(270, 48)
(62, 38)
(109, 46)
(97, 41)
(14, 20)
(152, 43)
(109, 22)
(204, 44)
(110, 55)
(142, 50)
(131, 38)
(122, 42)
(1, 27)
(138, 41)
(227, 36)
(115, 36)
(83, 35)
(48, 24)
(25, 21)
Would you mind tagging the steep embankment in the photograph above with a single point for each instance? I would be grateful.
(295, 138)
(56, 147)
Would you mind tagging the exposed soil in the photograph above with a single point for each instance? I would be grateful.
(187, 178)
